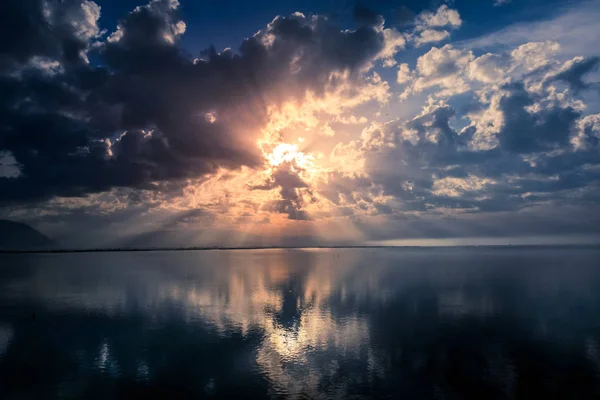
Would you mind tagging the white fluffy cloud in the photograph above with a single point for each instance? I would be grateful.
(442, 17)
(431, 36)
(457, 70)
(431, 26)
(443, 67)
(404, 74)
(394, 42)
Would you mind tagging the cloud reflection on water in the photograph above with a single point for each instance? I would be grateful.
(311, 323)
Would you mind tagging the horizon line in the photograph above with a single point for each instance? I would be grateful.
(222, 248)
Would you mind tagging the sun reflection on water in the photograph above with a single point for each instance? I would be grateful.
(296, 320)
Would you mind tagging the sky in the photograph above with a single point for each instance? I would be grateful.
(270, 123)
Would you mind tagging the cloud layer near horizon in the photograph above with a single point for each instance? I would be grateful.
(297, 123)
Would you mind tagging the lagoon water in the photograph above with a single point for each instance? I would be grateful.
(445, 323)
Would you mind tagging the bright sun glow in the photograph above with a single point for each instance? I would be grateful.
(285, 152)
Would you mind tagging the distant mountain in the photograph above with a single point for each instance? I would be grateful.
(19, 236)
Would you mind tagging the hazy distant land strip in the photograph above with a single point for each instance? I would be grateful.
(108, 250)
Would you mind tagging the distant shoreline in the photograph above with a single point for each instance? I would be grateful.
(132, 250)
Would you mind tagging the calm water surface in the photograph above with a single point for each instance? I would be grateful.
(404, 323)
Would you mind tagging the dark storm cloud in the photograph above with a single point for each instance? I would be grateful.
(143, 111)
(41, 28)
(524, 132)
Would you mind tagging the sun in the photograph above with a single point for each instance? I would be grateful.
(286, 152)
